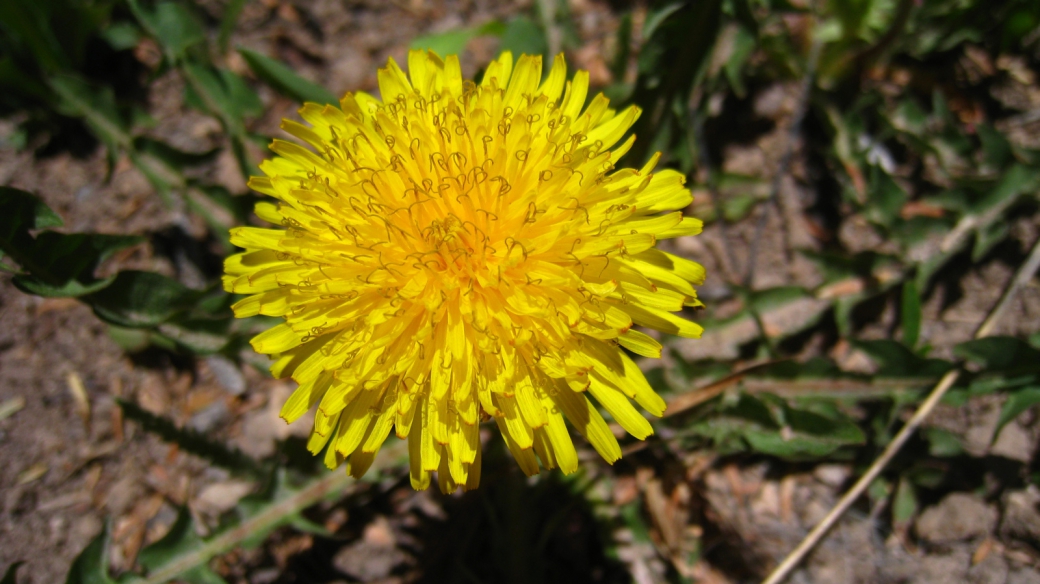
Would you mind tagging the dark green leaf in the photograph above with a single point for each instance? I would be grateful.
(904, 504)
(285, 81)
(911, 314)
(886, 197)
(743, 45)
(1017, 403)
(192, 441)
(91, 565)
(142, 299)
(809, 435)
(28, 25)
(942, 443)
(66, 289)
(814, 368)
(95, 105)
(275, 489)
(172, 24)
(523, 36)
(242, 100)
(895, 360)
(1017, 180)
(130, 340)
(657, 17)
(742, 11)
(121, 36)
(995, 147)
(20, 213)
(987, 237)
(772, 298)
(736, 207)
(840, 266)
(62, 265)
(452, 42)
(11, 575)
(623, 47)
(176, 159)
(1000, 354)
(200, 336)
(227, 22)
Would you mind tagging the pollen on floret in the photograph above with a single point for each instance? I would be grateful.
(454, 252)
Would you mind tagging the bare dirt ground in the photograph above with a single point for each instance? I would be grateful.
(71, 462)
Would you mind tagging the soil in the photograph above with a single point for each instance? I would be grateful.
(72, 463)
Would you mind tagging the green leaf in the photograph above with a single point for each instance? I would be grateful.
(523, 36)
(66, 289)
(142, 299)
(942, 443)
(20, 213)
(1005, 354)
(173, 24)
(657, 17)
(11, 575)
(911, 314)
(623, 47)
(896, 360)
(62, 265)
(995, 147)
(199, 336)
(452, 42)
(191, 441)
(1016, 181)
(181, 540)
(1017, 403)
(987, 237)
(743, 45)
(277, 488)
(28, 25)
(904, 504)
(175, 158)
(285, 81)
(886, 197)
(227, 22)
(839, 266)
(772, 298)
(91, 565)
(121, 36)
(131, 340)
(744, 15)
(95, 105)
(736, 207)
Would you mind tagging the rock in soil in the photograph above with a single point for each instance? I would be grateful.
(958, 517)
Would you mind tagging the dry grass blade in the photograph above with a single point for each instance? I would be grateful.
(1024, 274)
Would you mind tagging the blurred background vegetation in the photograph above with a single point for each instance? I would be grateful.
(868, 173)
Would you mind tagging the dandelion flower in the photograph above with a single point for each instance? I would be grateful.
(458, 252)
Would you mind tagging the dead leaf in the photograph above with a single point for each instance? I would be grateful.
(921, 209)
(32, 473)
(10, 407)
(79, 396)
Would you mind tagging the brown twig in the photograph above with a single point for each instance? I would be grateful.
(691, 399)
(1024, 274)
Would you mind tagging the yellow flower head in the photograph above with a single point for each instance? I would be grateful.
(460, 251)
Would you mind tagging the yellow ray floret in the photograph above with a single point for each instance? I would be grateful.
(458, 251)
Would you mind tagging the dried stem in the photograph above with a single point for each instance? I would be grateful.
(795, 557)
